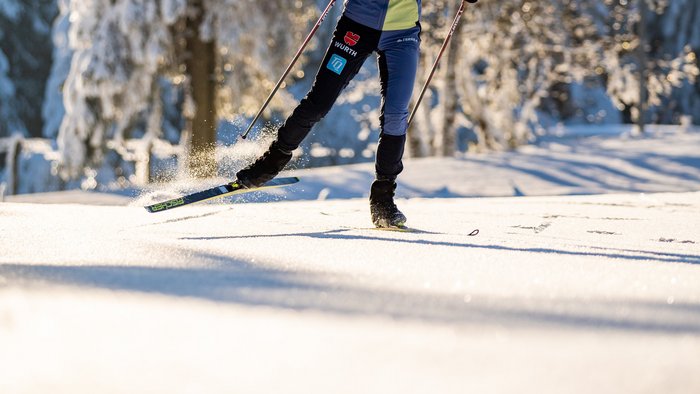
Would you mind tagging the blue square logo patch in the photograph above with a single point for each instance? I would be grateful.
(336, 64)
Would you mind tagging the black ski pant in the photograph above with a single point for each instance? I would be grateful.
(351, 45)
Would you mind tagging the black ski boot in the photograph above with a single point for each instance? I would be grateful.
(381, 204)
(265, 168)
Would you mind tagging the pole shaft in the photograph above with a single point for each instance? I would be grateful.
(291, 65)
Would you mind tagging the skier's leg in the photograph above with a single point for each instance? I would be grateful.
(398, 62)
(351, 44)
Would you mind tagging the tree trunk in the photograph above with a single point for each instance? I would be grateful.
(200, 63)
(642, 59)
(413, 139)
(449, 135)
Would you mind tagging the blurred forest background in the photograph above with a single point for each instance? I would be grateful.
(111, 93)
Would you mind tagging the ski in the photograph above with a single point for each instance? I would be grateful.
(228, 189)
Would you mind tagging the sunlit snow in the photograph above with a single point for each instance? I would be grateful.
(575, 294)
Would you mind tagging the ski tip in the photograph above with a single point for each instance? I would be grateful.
(151, 209)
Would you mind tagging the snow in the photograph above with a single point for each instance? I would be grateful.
(552, 290)
(576, 294)
(573, 162)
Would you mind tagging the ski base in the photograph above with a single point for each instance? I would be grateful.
(225, 190)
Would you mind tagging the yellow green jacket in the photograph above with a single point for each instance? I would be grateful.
(385, 15)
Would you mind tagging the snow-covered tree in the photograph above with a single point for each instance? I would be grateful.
(152, 69)
(11, 122)
(53, 110)
(510, 57)
(673, 44)
(642, 61)
(25, 60)
(222, 55)
(504, 59)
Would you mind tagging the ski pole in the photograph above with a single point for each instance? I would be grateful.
(289, 68)
(437, 61)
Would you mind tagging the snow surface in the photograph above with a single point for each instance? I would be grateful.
(665, 161)
(566, 294)
(573, 294)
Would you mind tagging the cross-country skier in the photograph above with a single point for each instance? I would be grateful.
(392, 29)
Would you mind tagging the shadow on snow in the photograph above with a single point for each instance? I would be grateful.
(230, 280)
